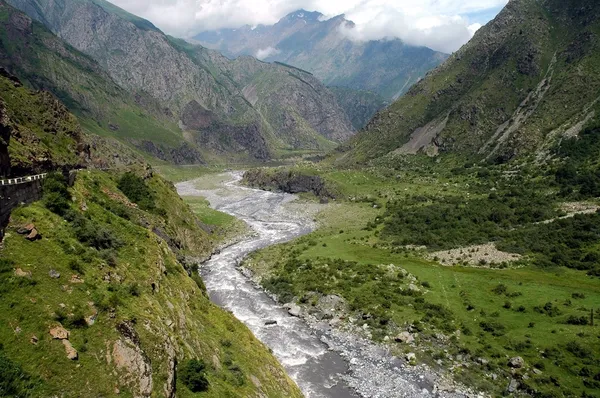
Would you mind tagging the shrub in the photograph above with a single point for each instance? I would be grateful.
(500, 289)
(578, 350)
(495, 328)
(136, 190)
(577, 320)
(14, 381)
(95, 235)
(55, 194)
(192, 375)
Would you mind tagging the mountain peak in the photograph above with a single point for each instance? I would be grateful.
(309, 16)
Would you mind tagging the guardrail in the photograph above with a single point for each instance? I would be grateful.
(23, 180)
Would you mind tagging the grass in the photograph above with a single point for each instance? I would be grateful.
(349, 256)
(146, 286)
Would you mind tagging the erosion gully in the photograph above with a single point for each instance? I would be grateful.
(323, 361)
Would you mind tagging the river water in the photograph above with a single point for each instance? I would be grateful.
(323, 362)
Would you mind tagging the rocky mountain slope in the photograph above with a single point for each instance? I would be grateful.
(104, 298)
(360, 105)
(223, 107)
(302, 39)
(527, 78)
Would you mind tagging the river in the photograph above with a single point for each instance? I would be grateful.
(323, 362)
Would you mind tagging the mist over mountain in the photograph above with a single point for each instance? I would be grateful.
(323, 47)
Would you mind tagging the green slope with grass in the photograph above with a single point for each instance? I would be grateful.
(382, 246)
(526, 79)
(105, 299)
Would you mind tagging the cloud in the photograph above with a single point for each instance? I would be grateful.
(440, 24)
(266, 52)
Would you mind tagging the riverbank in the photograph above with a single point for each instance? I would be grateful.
(324, 360)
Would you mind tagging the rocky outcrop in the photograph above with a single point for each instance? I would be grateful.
(288, 181)
(129, 358)
(244, 140)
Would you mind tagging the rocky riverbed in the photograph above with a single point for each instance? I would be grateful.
(324, 360)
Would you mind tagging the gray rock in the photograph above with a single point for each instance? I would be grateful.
(516, 362)
(54, 274)
(512, 386)
(405, 337)
(293, 309)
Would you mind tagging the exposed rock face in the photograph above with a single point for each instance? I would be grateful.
(4, 141)
(287, 181)
(59, 333)
(129, 357)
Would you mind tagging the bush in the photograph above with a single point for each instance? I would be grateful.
(577, 320)
(55, 194)
(95, 235)
(192, 375)
(14, 382)
(136, 190)
(578, 350)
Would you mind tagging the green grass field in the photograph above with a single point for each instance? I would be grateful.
(493, 314)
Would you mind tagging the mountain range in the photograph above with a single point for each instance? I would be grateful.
(175, 101)
(526, 80)
(309, 41)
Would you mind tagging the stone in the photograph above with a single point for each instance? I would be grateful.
(404, 337)
(512, 386)
(34, 340)
(26, 230)
(76, 279)
(516, 362)
(482, 361)
(270, 322)
(413, 287)
(537, 371)
(70, 350)
(59, 333)
(22, 274)
(54, 274)
(293, 309)
(411, 357)
(34, 235)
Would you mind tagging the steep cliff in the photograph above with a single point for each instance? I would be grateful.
(527, 78)
(175, 74)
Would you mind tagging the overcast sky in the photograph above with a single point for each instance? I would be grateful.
(443, 25)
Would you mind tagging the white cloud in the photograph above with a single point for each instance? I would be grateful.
(440, 24)
(266, 52)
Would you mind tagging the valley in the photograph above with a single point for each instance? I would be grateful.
(289, 204)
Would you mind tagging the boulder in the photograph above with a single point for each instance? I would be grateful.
(270, 322)
(404, 337)
(59, 333)
(54, 274)
(411, 357)
(22, 274)
(70, 350)
(293, 309)
(76, 279)
(512, 386)
(34, 235)
(26, 230)
(516, 362)
(34, 340)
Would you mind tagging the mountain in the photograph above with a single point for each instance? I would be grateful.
(526, 79)
(305, 40)
(359, 105)
(101, 299)
(209, 105)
